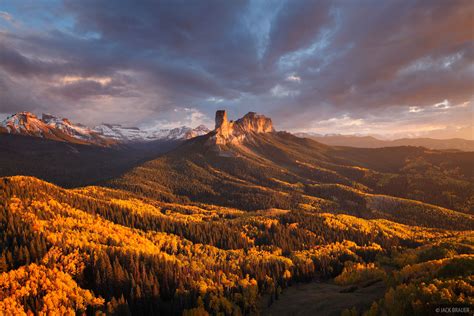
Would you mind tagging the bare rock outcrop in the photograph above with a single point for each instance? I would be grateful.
(234, 132)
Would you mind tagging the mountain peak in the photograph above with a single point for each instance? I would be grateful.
(235, 131)
(23, 123)
(50, 127)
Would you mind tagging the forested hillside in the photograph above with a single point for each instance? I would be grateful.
(103, 250)
(70, 164)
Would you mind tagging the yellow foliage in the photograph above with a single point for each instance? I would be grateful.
(56, 290)
(355, 272)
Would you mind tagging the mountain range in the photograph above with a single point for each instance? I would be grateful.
(61, 129)
(106, 134)
(229, 221)
(373, 142)
(51, 127)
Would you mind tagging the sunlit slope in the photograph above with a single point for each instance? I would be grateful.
(279, 170)
(104, 249)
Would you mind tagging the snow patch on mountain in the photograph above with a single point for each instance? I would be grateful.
(64, 125)
(134, 134)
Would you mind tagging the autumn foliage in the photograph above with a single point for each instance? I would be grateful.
(99, 250)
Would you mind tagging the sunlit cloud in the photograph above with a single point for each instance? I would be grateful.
(464, 104)
(190, 117)
(414, 109)
(215, 100)
(338, 125)
(429, 63)
(281, 91)
(6, 16)
(293, 78)
(442, 105)
(74, 79)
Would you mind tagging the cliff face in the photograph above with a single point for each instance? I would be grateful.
(235, 131)
(254, 123)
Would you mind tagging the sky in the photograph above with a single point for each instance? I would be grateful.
(387, 68)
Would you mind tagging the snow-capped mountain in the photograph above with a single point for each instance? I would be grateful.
(135, 134)
(120, 133)
(51, 127)
(61, 129)
(25, 123)
(185, 132)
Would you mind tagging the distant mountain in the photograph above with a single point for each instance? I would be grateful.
(248, 165)
(52, 128)
(135, 134)
(372, 142)
(61, 129)
(68, 154)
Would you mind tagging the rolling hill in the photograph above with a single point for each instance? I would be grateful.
(95, 249)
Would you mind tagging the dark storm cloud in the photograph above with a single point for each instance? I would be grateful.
(90, 88)
(298, 61)
(188, 45)
(297, 25)
(12, 95)
(16, 63)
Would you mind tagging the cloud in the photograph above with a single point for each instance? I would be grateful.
(215, 100)
(296, 26)
(415, 109)
(293, 78)
(73, 79)
(338, 124)
(298, 61)
(282, 91)
(181, 117)
(6, 16)
(444, 105)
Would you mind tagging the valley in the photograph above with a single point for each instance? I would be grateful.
(323, 298)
